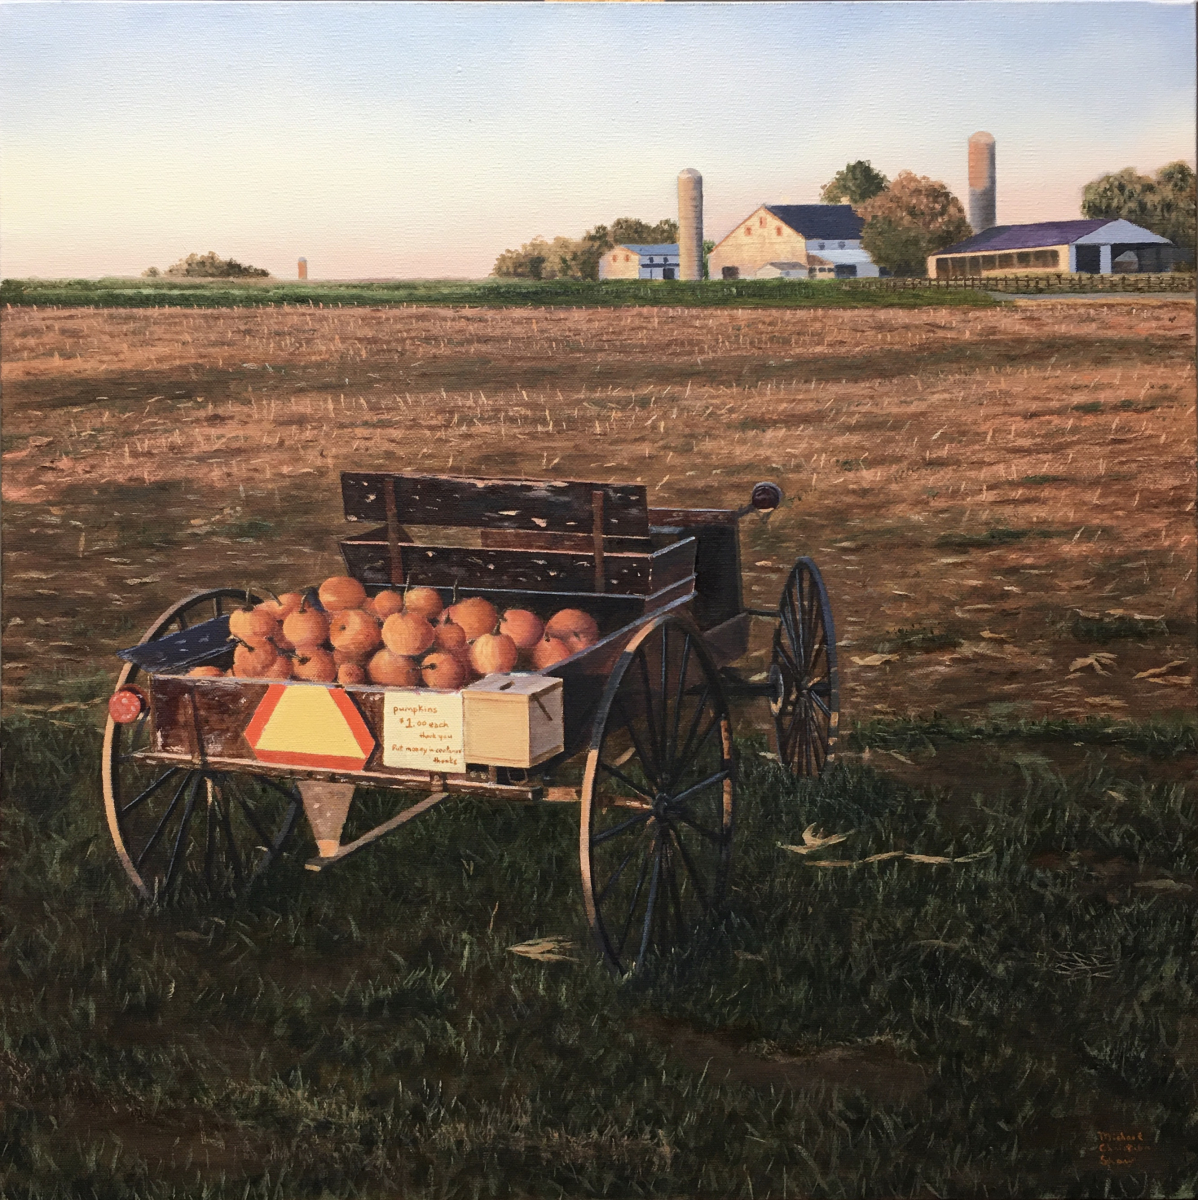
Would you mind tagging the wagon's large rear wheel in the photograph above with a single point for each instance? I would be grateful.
(805, 699)
(189, 828)
(657, 796)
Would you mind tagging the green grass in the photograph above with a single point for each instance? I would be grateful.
(499, 293)
(366, 1032)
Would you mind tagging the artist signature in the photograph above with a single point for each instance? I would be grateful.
(1120, 1149)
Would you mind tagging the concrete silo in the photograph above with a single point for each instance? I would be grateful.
(303, 268)
(981, 182)
(690, 224)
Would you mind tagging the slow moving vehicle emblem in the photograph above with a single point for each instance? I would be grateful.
(306, 725)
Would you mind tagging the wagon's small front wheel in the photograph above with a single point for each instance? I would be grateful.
(657, 796)
(805, 696)
(187, 826)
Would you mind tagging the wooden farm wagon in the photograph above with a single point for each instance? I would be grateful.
(204, 778)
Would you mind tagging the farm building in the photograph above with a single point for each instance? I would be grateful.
(1098, 246)
(794, 233)
(640, 262)
(831, 264)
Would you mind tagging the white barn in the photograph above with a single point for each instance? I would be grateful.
(635, 261)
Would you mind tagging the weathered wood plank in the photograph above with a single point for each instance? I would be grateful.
(624, 573)
(560, 506)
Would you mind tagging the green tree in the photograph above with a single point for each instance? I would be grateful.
(628, 230)
(1165, 204)
(914, 217)
(855, 184)
(708, 247)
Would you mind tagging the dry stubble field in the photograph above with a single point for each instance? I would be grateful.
(1001, 500)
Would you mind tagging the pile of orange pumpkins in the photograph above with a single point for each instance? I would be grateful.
(338, 634)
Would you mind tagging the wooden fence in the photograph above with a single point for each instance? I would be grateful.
(1040, 282)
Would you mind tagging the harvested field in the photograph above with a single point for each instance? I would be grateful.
(1001, 499)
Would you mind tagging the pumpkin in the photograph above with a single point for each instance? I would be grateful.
(547, 651)
(449, 636)
(351, 672)
(305, 627)
(574, 627)
(252, 662)
(493, 652)
(475, 615)
(523, 627)
(423, 600)
(339, 592)
(393, 670)
(315, 665)
(253, 626)
(353, 631)
(279, 669)
(407, 634)
(282, 606)
(443, 669)
(386, 603)
(281, 643)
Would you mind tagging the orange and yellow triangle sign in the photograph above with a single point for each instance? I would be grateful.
(309, 725)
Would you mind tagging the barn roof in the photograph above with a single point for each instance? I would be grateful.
(834, 221)
(1044, 233)
(657, 248)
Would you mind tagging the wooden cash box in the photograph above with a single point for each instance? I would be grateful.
(513, 720)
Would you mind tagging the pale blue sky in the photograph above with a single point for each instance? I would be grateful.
(423, 139)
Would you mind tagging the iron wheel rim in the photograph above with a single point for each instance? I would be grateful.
(805, 702)
(189, 829)
(657, 798)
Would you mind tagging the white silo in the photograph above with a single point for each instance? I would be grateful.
(690, 224)
(981, 182)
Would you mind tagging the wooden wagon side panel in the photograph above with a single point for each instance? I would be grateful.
(561, 506)
(371, 559)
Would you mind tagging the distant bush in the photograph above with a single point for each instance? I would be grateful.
(209, 266)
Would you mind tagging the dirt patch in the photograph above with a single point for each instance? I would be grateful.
(874, 1069)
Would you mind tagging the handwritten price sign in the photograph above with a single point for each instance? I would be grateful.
(423, 731)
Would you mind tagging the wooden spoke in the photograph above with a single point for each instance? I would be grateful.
(147, 792)
(805, 701)
(664, 718)
(160, 838)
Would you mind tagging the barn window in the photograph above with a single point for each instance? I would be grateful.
(626, 258)
(761, 222)
(821, 245)
(778, 230)
(841, 245)
(748, 231)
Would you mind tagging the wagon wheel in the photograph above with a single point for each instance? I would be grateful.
(187, 827)
(805, 698)
(657, 796)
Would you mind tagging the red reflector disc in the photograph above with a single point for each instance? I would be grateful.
(125, 706)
